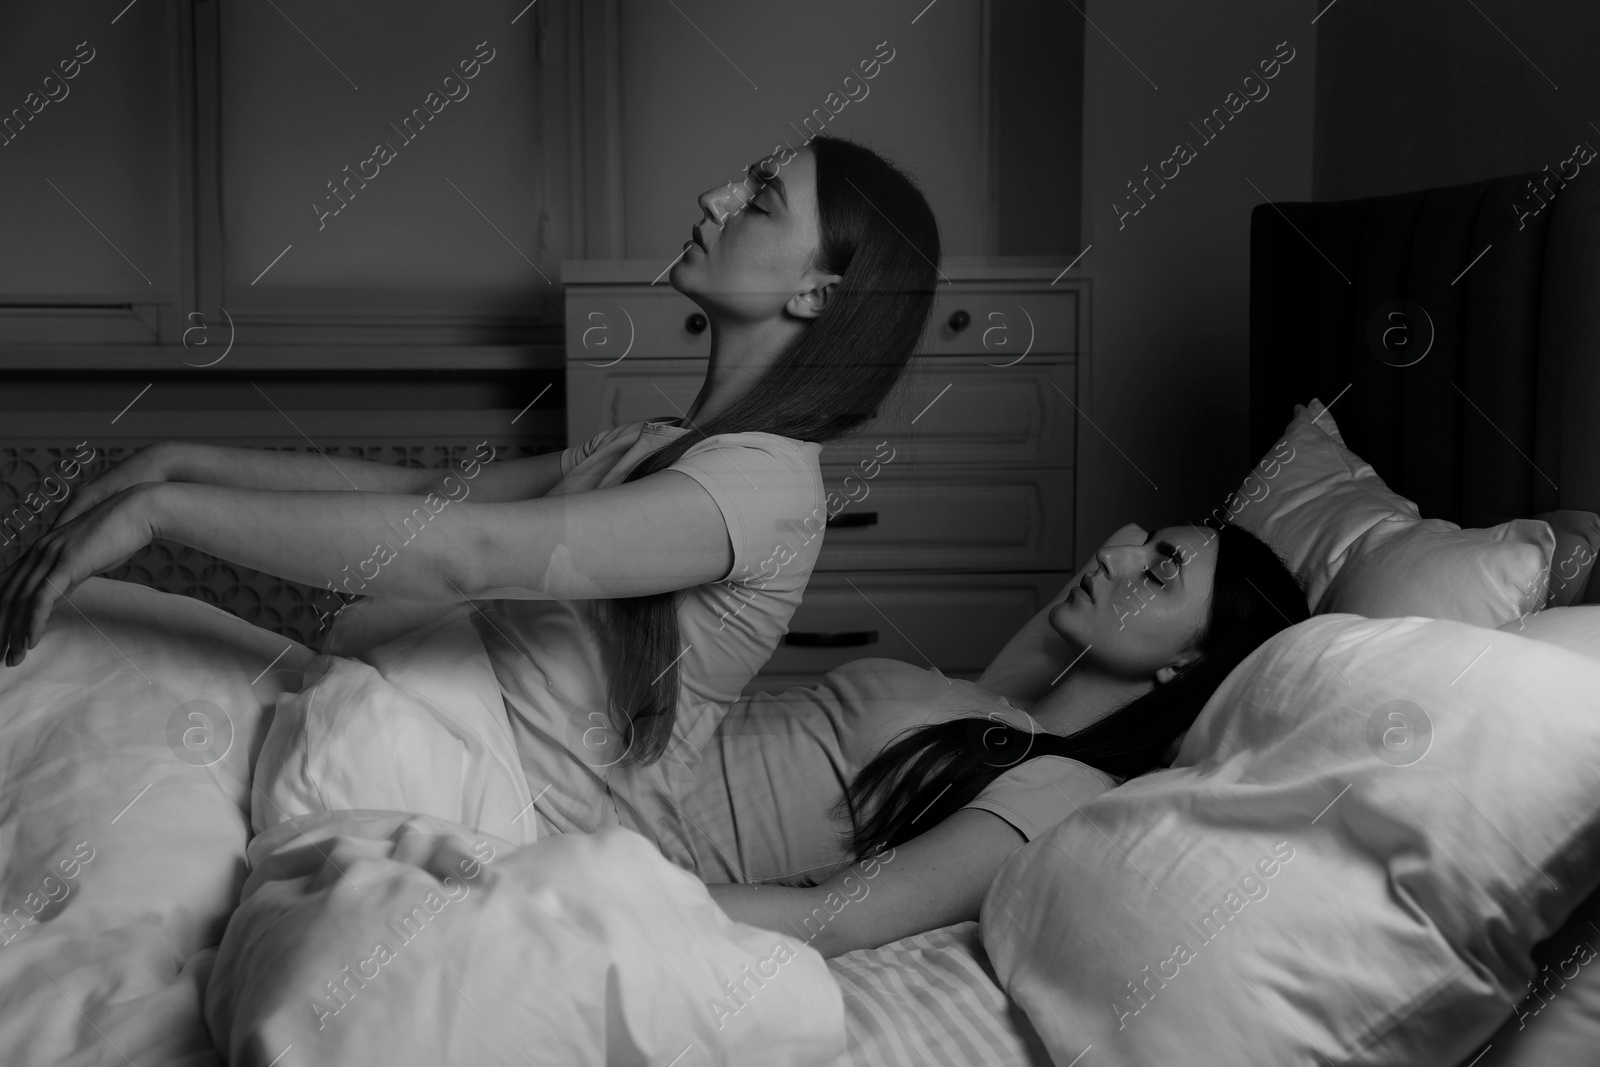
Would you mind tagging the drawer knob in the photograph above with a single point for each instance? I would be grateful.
(848, 639)
(959, 320)
(695, 324)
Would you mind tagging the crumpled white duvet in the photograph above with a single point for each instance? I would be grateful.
(126, 740)
(416, 725)
(399, 911)
(384, 938)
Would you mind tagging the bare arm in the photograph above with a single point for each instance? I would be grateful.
(285, 470)
(933, 880)
(1025, 669)
(265, 468)
(661, 533)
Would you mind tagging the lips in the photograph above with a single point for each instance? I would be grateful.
(694, 238)
(1087, 586)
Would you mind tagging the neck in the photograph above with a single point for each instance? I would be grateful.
(741, 352)
(1086, 695)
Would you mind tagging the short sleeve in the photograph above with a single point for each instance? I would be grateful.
(1038, 793)
(769, 489)
(578, 453)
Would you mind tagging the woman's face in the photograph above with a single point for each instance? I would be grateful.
(1143, 601)
(752, 254)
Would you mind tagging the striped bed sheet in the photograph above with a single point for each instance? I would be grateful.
(931, 1001)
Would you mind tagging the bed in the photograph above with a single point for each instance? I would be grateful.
(1463, 430)
(165, 903)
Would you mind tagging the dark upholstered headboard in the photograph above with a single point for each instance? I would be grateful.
(1501, 416)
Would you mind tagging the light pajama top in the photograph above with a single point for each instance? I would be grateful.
(547, 657)
(758, 810)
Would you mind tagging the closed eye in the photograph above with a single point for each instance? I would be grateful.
(1169, 552)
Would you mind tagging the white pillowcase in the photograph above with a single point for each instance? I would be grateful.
(1359, 547)
(1431, 567)
(1310, 498)
(1558, 1021)
(1380, 817)
(1576, 628)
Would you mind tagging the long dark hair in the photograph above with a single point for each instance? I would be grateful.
(931, 772)
(879, 235)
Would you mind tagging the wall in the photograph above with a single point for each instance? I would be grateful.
(1036, 109)
(1170, 326)
(1429, 92)
(691, 121)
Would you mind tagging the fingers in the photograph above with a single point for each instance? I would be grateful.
(67, 514)
(14, 584)
(8, 583)
(30, 610)
(7, 604)
(15, 602)
(5, 632)
(43, 600)
(82, 502)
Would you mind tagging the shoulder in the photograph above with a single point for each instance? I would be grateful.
(1051, 772)
(785, 475)
(1038, 793)
(627, 433)
(771, 450)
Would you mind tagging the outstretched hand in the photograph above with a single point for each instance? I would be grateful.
(100, 539)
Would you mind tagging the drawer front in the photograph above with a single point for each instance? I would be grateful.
(650, 322)
(600, 399)
(961, 411)
(956, 622)
(961, 519)
(605, 325)
(1003, 324)
(955, 411)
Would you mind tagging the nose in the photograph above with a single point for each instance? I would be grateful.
(1116, 560)
(725, 200)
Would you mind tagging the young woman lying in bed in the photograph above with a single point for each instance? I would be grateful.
(616, 566)
(1111, 675)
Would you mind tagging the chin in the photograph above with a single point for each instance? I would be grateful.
(1067, 621)
(691, 281)
(676, 278)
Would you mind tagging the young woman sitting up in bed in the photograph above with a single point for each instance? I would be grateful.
(653, 568)
(1111, 674)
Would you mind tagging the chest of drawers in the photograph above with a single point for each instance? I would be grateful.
(965, 532)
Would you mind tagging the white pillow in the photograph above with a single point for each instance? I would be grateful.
(1576, 628)
(1380, 818)
(1435, 568)
(1310, 498)
(1359, 547)
(1558, 1021)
